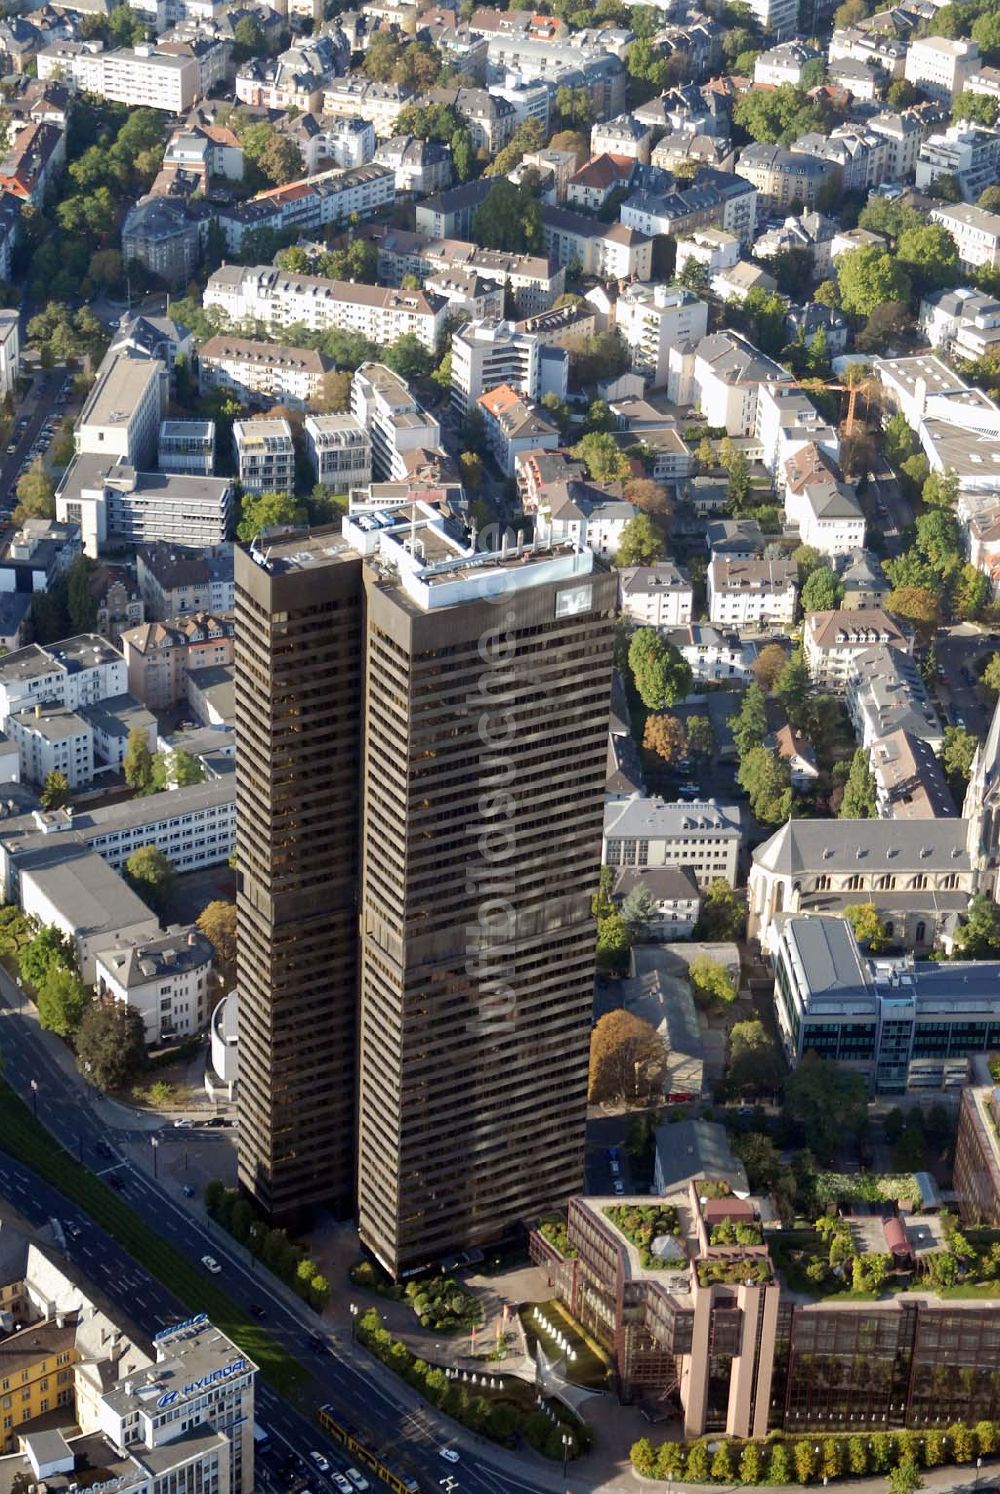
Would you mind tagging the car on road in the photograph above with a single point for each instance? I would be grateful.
(184, 1121)
(618, 1187)
(339, 1482)
(117, 1183)
(256, 1311)
(72, 1229)
(211, 1264)
(188, 1191)
(321, 1463)
(215, 1120)
(449, 1454)
(102, 1149)
(358, 1479)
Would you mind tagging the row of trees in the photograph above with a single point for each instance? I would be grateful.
(149, 772)
(231, 1209)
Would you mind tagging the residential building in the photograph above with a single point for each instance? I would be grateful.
(468, 294)
(73, 673)
(420, 613)
(705, 838)
(33, 163)
(939, 66)
(10, 352)
(778, 18)
(262, 373)
(265, 455)
(584, 514)
(166, 979)
(358, 97)
(295, 79)
(655, 319)
(677, 902)
(713, 199)
(37, 555)
(52, 739)
(752, 595)
(902, 134)
(784, 63)
(797, 751)
(333, 199)
(187, 446)
(782, 176)
(787, 421)
(340, 450)
(597, 180)
(863, 581)
(623, 136)
(711, 247)
(656, 596)
(962, 320)
(399, 427)
(886, 694)
(159, 655)
(909, 780)
(418, 166)
(180, 578)
(73, 889)
(144, 77)
(879, 50)
(36, 1364)
(970, 155)
(812, 232)
(713, 655)
(975, 231)
(958, 426)
(113, 504)
(615, 252)
(489, 118)
(262, 293)
(449, 215)
(344, 141)
(729, 374)
(532, 281)
(486, 353)
(833, 641)
(165, 236)
(514, 425)
(736, 283)
(205, 151)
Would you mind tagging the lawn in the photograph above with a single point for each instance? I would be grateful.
(23, 1138)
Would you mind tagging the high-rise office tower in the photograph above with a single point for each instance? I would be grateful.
(299, 665)
(485, 716)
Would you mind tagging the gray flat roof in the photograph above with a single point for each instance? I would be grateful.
(87, 892)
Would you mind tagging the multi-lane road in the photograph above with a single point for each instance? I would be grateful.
(399, 1421)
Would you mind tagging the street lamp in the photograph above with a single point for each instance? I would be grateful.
(154, 1143)
(567, 1443)
(979, 1464)
(34, 1097)
(354, 1322)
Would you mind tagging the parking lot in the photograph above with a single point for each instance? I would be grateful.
(40, 415)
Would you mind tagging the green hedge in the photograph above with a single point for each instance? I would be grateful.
(786, 1460)
(24, 1138)
(236, 1214)
(497, 1415)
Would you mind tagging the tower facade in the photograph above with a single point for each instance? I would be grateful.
(298, 727)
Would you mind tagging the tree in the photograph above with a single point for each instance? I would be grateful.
(929, 256)
(248, 38)
(177, 769)
(81, 603)
(989, 198)
(938, 540)
(509, 218)
(869, 929)
(36, 494)
(641, 543)
(723, 914)
(664, 736)
(470, 465)
(868, 278)
(794, 689)
(886, 324)
(638, 912)
(700, 739)
(649, 496)
(991, 674)
(661, 675)
(47, 950)
(749, 725)
(408, 357)
(613, 944)
(858, 802)
(957, 751)
(710, 981)
(738, 483)
(260, 511)
(138, 761)
(55, 790)
(111, 1044)
(336, 392)
(776, 116)
(754, 1065)
(901, 94)
(217, 921)
(151, 874)
(822, 591)
(767, 780)
(904, 1478)
(603, 457)
(626, 1057)
(917, 605)
(62, 1001)
(829, 1104)
(768, 665)
(940, 490)
(970, 592)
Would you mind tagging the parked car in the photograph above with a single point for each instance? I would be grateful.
(358, 1479)
(211, 1265)
(618, 1187)
(339, 1482)
(321, 1463)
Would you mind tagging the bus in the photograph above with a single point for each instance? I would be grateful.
(341, 1431)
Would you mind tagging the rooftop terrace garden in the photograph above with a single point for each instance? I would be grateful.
(557, 1235)
(733, 1270)
(641, 1224)
(736, 1232)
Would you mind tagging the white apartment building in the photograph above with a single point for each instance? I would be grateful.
(120, 420)
(713, 655)
(342, 141)
(852, 44)
(487, 353)
(357, 97)
(729, 373)
(263, 373)
(10, 351)
(832, 642)
(142, 77)
(52, 739)
(752, 595)
(262, 293)
(783, 64)
(76, 672)
(969, 154)
(902, 134)
(711, 247)
(940, 65)
(382, 404)
(166, 979)
(195, 827)
(655, 319)
(975, 231)
(649, 833)
(583, 515)
(88, 902)
(265, 455)
(965, 321)
(656, 596)
(187, 446)
(340, 450)
(786, 421)
(778, 18)
(624, 136)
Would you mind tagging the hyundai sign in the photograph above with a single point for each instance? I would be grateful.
(170, 1397)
